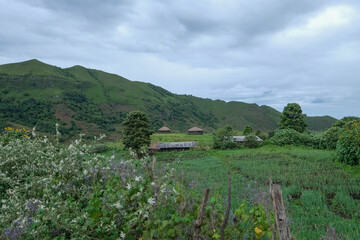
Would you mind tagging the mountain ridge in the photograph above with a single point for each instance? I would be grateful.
(94, 101)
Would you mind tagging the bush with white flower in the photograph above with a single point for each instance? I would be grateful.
(51, 191)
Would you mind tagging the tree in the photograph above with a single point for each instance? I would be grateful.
(223, 138)
(136, 131)
(292, 117)
(248, 130)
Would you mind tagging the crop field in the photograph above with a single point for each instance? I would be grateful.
(318, 193)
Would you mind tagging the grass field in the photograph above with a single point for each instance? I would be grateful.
(318, 192)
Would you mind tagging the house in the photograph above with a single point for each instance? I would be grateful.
(195, 131)
(164, 130)
(241, 139)
(171, 146)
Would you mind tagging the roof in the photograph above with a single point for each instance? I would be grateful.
(195, 129)
(176, 144)
(242, 138)
(164, 145)
(164, 129)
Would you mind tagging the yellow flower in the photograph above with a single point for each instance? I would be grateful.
(257, 230)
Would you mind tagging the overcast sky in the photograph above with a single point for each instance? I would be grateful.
(269, 52)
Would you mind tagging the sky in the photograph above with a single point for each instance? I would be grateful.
(268, 52)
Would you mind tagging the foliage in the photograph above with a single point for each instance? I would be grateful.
(331, 137)
(12, 133)
(261, 135)
(49, 191)
(251, 141)
(248, 130)
(342, 123)
(286, 137)
(136, 131)
(348, 145)
(292, 117)
(99, 148)
(223, 138)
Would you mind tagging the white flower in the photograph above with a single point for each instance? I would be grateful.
(153, 184)
(151, 201)
(122, 235)
(85, 172)
(128, 186)
(137, 179)
(117, 205)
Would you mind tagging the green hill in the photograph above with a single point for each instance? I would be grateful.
(33, 93)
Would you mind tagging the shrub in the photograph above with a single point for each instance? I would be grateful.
(223, 138)
(52, 191)
(331, 137)
(10, 134)
(251, 141)
(99, 148)
(286, 137)
(348, 145)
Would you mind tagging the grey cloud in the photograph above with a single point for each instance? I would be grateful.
(267, 52)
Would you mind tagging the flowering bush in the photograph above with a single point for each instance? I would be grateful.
(348, 145)
(13, 133)
(68, 192)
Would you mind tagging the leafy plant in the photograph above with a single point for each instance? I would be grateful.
(293, 118)
(223, 138)
(136, 131)
(348, 145)
(251, 141)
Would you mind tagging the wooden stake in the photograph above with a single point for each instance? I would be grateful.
(281, 220)
(223, 225)
(200, 216)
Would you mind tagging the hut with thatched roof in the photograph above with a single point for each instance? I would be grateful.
(164, 130)
(195, 131)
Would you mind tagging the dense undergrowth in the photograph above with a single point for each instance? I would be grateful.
(53, 191)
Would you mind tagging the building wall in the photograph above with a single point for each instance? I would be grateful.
(195, 133)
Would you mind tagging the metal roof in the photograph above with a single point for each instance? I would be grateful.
(242, 138)
(163, 145)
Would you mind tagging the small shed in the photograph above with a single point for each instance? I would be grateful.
(171, 146)
(241, 139)
(195, 131)
(164, 130)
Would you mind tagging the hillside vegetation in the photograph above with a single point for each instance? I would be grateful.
(85, 100)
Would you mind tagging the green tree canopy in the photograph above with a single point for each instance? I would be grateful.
(292, 117)
(136, 131)
(248, 130)
(223, 138)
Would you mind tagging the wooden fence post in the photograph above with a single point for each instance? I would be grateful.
(226, 218)
(281, 221)
(200, 216)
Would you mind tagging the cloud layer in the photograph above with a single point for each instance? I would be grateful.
(265, 52)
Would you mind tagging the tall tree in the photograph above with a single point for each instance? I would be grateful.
(136, 131)
(292, 117)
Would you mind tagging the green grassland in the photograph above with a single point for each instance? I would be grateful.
(318, 192)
